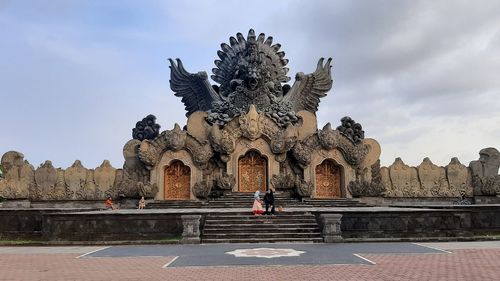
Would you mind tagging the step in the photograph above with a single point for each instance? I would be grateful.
(271, 217)
(259, 220)
(260, 240)
(263, 235)
(273, 228)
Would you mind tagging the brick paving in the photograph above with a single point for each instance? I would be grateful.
(463, 264)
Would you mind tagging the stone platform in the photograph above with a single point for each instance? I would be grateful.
(357, 223)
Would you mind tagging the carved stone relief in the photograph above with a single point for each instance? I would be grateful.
(485, 177)
(404, 178)
(74, 178)
(45, 178)
(433, 180)
(104, 177)
(459, 178)
(18, 177)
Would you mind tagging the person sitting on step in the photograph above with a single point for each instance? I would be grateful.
(108, 204)
(257, 204)
(142, 203)
(269, 201)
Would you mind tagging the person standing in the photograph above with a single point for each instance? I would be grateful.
(269, 201)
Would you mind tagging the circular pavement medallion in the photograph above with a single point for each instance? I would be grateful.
(268, 253)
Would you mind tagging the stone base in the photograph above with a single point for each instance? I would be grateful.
(333, 239)
(191, 240)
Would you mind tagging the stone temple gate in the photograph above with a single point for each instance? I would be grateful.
(252, 131)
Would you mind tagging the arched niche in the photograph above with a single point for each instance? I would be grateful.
(168, 157)
(328, 179)
(252, 172)
(347, 173)
(177, 181)
(242, 147)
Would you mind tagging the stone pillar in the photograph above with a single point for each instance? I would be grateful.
(330, 224)
(191, 229)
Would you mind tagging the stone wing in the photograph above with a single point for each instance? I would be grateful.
(307, 90)
(196, 92)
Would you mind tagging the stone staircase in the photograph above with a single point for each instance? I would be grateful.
(247, 228)
(245, 200)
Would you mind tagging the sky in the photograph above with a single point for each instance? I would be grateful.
(421, 77)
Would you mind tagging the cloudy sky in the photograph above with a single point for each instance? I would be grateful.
(422, 77)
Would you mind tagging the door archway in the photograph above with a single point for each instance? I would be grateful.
(252, 172)
(177, 181)
(328, 180)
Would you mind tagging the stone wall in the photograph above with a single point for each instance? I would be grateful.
(426, 180)
(110, 227)
(47, 183)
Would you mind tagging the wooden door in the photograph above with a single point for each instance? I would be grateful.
(177, 181)
(327, 180)
(252, 172)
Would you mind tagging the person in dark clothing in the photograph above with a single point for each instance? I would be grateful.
(269, 201)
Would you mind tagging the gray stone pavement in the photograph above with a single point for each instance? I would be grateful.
(219, 254)
(380, 261)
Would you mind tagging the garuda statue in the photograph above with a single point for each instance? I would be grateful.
(250, 71)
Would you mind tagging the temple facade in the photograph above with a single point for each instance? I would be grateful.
(253, 131)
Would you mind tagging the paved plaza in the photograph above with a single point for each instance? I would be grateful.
(348, 261)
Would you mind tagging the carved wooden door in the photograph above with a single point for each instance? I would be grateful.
(327, 180)
(252, 175)
(177, 181)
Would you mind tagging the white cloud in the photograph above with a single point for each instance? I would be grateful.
(421, 77)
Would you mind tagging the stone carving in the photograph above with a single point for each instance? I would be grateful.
(328, 138)
(18, 176)
(224, 181)
(302, 150)
(176, 138)
(353, 153)
(221, 140)
(146, 129)
(304, 188)
(459, 178)
(104, 177)
(74, 178)
(197, 127)
(280, 144)
(251, 124)
(364, 187)
(351, 129)
(283, 181)
(385, 179)
(250, 71)
(201, 190)
(404, 178)
(485, 177)
(147, 190)
(59, 192)
(427, 180)
(46, 178)
(88, 191)
(200, 154)
(148, 152)
(433, 180)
